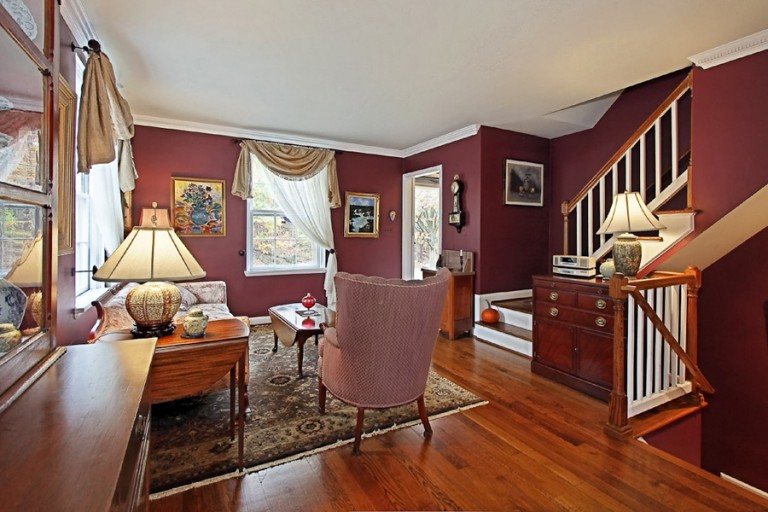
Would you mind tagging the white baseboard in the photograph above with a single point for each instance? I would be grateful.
(259, 320)
(743, 485)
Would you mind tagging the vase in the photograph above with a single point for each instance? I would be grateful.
(607, 269)
(199, 216)
(308, 301)
(195, 323)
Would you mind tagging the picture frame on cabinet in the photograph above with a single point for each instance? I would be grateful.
(524, 183)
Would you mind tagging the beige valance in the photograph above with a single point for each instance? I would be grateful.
(105, 118)
(289, 162)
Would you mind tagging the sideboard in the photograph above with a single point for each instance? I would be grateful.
(78, 437)
(457, 319)
(573, 333)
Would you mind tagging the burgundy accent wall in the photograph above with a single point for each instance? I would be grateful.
(463, 158)
(513, 239)
(576, 158)
(160, 154)
(733, 354)
(682, 439)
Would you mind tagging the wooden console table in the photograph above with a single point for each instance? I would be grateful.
(78, 438)
(457, 318)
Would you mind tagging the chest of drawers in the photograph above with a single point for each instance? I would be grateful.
(573, 333)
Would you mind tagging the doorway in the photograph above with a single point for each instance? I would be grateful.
(422, 214)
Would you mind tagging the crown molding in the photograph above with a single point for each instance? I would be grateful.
(214, 129)
(731, 51)
(462, 133)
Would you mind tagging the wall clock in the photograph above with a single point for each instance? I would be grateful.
(456, 217)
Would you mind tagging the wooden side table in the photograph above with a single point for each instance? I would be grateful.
(293, 329)
(184, 367)
(457, 316)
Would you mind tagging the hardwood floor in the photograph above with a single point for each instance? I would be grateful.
(536, 446)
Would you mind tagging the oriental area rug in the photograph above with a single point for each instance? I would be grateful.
(189, 442)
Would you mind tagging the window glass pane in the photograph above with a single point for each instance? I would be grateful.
(263, 253)
(284, 228)
(263, 226)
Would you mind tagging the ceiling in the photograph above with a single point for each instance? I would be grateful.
(396, 73)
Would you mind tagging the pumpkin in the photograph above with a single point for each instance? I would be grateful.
(489, 315)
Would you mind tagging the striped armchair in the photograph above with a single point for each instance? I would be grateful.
(379, 351)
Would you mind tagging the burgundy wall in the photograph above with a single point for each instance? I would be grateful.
(463, 158)
(575, 158)
(733, 354)
(161, 154)
(513, 239)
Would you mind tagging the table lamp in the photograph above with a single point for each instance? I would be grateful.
(28, 273)
(152, 253)
(628, 214)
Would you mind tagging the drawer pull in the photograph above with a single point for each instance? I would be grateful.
(601, 304)
(600, 322)
(553, 312)
(553, 296)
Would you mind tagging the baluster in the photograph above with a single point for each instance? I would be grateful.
(649, 347)
(683, 330)
(657, 156)
(628, 169)
(602, 208)
(658, 343)
(590, 224)
(615, 179)
(578, 229)
(642, 167)
(641, 349)
(673, 127)
(631, 358)
(666, 317)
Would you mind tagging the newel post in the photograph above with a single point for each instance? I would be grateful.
(617, 425)
(692, 321)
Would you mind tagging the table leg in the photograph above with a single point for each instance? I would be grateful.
(300, 355)
(274, 349)
(232, 380)
(241, 408)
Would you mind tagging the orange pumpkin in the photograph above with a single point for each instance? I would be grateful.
(489, 315)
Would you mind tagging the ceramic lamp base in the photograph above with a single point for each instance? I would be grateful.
(627, 254)
(152, 306)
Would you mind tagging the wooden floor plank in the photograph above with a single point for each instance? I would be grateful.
(536, 446)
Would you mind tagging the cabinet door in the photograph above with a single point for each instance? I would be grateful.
(594, 357)
(554, 345)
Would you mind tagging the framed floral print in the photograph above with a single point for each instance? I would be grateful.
(199, 207)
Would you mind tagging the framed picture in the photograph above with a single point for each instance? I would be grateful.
(199, 207)
(524, 183)
(361, 215)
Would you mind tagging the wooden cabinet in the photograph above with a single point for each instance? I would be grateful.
(78, 437)
(573, 333)
(457, 316)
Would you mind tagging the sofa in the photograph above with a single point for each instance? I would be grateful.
(115, 323)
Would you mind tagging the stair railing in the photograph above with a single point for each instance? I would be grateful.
(655, 344)
(638, 164)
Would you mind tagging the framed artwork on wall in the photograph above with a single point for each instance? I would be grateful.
(199, 207)
(361, 215)
(524, 183)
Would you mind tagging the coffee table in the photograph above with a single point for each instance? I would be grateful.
(184, 367)
(291, 328)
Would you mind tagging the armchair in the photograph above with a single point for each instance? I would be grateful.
(378, 353)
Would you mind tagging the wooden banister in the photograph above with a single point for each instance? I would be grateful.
(679, 90)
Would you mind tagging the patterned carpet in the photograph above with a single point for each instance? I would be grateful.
(190, 437)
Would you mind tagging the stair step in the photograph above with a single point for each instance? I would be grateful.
(524, 305)
(512, 330)
(677, 409)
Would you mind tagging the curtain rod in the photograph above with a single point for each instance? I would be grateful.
(93, 46)
(238, 141)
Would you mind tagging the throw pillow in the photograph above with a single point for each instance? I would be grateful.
(187, 298)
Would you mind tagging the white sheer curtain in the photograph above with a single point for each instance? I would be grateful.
(104, 194)
(306, 203)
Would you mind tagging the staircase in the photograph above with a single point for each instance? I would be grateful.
(513, 331)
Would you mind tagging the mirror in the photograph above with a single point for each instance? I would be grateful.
(21, 119)
(21, 269)
(30, 16)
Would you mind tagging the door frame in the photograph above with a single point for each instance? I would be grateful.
(409, 180)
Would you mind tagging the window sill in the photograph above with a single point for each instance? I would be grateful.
(284, 272)
(84, 300)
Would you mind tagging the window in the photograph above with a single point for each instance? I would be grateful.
(277, 246)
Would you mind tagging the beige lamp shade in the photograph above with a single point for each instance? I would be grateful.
(28, 272)
(154, 217)
(629, 214)
(150, 254)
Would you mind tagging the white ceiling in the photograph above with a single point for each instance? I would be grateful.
(395, 73)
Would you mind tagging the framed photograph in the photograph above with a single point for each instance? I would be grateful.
(524, 183)
(198, 206)
(361, 215)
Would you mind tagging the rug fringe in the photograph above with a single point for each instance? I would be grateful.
(234, 474)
